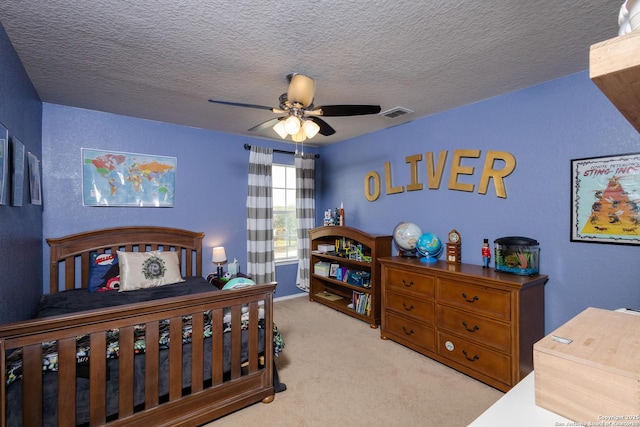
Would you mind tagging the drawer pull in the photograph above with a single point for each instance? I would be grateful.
(475, 328)
(408, 285)
(471, 359)
(408, 332)
(474, 299)
(411, 307)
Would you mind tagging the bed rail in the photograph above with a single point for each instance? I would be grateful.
(203, 401)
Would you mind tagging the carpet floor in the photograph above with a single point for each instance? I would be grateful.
(339, 372)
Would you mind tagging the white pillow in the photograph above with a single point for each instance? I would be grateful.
(140, 270)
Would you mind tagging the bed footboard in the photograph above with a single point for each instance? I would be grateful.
(192, 389)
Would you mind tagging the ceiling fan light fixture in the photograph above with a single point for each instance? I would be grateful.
(310, 128)
(280, 130)
(301, 90)
(300, 136)
(292, 125)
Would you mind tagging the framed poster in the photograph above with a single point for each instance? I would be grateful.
(605, 199)
(35, 183)
(113, 178)
(4, 164)
(17, 177)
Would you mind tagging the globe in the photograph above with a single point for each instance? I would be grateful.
(406, 235)
(429, 247)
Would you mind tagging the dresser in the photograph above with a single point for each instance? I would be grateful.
(476, 320)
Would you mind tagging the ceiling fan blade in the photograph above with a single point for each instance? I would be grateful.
(325, 129)
(347, 110)
(266, 125)
(239, 104)
(302, 89)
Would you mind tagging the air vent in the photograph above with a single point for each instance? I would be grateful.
(396, 112)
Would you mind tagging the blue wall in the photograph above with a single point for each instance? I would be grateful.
(211, 180)
(21, 230)
(544, 127)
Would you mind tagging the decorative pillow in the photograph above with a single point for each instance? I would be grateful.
(238, 282)
(219, 283)
(140, 270)
(104, 272)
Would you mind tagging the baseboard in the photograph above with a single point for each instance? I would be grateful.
(298, 295)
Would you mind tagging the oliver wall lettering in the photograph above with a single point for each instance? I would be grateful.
(497, 165)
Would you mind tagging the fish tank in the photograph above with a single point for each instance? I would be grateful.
(517, 255)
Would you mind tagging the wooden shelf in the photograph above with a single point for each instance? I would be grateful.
(374, 246)
(614, 66)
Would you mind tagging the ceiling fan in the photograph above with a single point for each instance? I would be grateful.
(300, 118)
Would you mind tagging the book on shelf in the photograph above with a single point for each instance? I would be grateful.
(328, 296)
(341, 274)
(362, 303)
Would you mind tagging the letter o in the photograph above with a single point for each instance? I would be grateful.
(372, 175)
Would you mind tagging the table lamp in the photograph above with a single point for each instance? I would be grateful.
(219, 257)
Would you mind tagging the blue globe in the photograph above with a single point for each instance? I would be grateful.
(429, 247)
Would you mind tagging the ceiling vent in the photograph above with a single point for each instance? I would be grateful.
(396, 112)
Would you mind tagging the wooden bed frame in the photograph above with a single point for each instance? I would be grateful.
(203, 401)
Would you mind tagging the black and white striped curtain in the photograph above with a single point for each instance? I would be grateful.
(260, 257)
(305, 214)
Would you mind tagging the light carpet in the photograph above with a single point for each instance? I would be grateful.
(339, 372)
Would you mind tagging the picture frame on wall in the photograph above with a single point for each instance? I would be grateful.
(35, 183)
(605, 199)
(17, 174)
(5, 162)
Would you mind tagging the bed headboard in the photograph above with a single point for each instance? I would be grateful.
(72, 252)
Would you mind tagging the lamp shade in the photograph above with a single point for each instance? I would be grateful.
(311, 128)
(292, 125)
(300, 136)
(280, 130)
(219, 255)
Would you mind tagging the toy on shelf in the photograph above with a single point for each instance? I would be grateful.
(345, 248)
(334, 217)
(486, 254)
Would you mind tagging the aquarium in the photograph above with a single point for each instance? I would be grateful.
(517, 255)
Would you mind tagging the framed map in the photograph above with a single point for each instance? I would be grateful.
(605, 199)
(111, 178)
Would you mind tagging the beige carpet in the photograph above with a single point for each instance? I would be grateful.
(339, 372)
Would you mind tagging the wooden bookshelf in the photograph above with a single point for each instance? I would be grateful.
(357, 252)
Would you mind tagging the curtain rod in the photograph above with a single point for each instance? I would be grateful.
(248, 147)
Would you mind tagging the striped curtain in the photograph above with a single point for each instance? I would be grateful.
(305, 214)
(260, 257)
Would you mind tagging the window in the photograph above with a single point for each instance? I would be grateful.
(285, 239)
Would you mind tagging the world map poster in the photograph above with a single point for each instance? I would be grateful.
(111, 178)
(606, 199)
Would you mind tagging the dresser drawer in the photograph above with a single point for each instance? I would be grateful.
(480, 359)
(395, 279)
(493, 302)
(411, 306)
(489, 332)
(408, 331)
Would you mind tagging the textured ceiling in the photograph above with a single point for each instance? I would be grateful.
(163, 59)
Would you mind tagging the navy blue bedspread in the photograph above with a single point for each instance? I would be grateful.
(76, 300)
